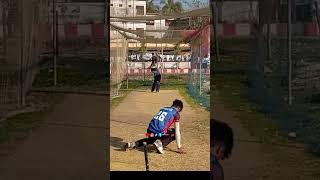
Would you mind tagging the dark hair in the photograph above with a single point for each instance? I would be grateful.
(154, 59)
(178, 103)
(221, 133)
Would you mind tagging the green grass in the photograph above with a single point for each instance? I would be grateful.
(191, 101)
(19, 126)
(170, 82)
(167, 83)
(73, 72)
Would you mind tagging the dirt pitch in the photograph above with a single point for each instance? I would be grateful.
(129, 121)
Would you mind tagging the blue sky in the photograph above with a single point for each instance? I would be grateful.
(184, 3)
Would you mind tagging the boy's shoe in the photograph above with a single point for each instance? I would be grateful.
(159, 146)
(129, 146)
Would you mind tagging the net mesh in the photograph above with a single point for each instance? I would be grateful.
(169, 43)
(199, 73)
(260, 57)
(118, 61)
(20, 52)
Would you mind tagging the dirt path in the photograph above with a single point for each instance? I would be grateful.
(255, 161)
(69, 145)
(130, 119)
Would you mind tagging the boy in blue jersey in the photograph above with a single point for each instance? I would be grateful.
(221, 147)
(159, 129)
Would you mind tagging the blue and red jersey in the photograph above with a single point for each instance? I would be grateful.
(163, 120)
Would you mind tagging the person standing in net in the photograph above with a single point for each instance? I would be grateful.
(156, 80)
(159, 132)
(221, 143)
(156, 74)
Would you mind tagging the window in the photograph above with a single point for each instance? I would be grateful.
(111, 4)
(120, 5)
(140, 31)
(150, 23)
(140, 10)
(130, 6)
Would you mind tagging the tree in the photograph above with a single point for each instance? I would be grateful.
(171, 7)
(152, 8)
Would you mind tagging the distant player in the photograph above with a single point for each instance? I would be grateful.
(221, 147)
(156, 80)
(156, 73)
(159, 131)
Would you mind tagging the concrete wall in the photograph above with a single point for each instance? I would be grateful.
(233, 11)
(80, 19)
(128, 7)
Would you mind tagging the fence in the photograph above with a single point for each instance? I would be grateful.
(199, 72)
(267, 68)
(118, 61)
(27, 49)
(24, 31)
(81, 63)
(305, 87)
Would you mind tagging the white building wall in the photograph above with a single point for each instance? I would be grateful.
(126, 7)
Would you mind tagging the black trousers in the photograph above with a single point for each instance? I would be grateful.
(164, 139)
(156, 83)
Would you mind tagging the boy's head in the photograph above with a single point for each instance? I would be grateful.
(221, 139)
(177, 104)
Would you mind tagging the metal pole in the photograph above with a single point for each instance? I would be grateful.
(200, 61)
(317, 14)
(57, 36)
(54, 43)
(214, 20)
(289, 52)
(178, 70)
(144, 70)
(117, 63)
(22, 100)
(269, 40)
(4, 28)
(146, 155)
(161, 44)
(127, 72)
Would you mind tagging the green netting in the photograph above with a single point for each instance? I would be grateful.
(199, 85)
(268, 81)
(201, 96)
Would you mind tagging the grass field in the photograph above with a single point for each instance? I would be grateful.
(171, 82)
(85, 73)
